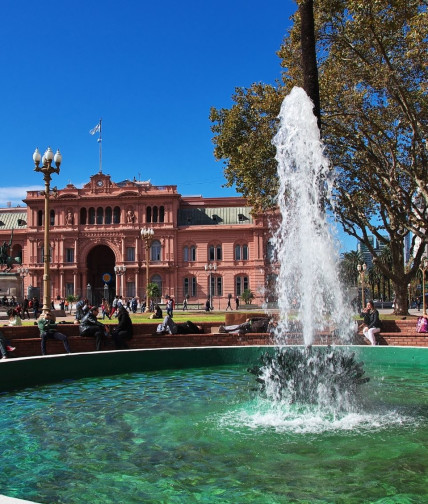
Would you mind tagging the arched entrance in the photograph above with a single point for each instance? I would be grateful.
(100, 263)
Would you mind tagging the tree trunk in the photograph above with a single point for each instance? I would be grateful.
(401, 299)
(309, 56)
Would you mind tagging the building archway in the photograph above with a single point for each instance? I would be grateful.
(100, 263)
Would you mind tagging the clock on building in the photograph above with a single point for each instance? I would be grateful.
(99, 183)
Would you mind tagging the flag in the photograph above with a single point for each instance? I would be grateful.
(96, 129)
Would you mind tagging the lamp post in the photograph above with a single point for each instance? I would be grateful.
(147, 235)
(47, 169)
(23, 272)
(120, 271)
(210, 267)
(362, 271)
(424, 267)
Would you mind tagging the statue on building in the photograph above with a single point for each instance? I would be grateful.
(5, 258)
(69, 218)
(130, 216)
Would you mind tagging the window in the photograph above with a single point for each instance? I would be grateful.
(40, 218)
(52, 218)
(69, 255)
(161, 214)
(241, 284)
(100, 215)
(189, 287)
(157, 280)
(83, 216)
(116, 215)
(155, 251)
(149, 214)
(69, 289)
(130, 289)
(91, 218)
(215, 253)
(241, 252)
(270, 251)
(108, 216)
(189, 253)
(130, 253)
(216, 285)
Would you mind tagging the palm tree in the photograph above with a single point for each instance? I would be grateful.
(348, 267)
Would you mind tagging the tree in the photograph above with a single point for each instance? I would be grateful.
(152, 292)
(373, 88)
(247, 296)
(348, 267)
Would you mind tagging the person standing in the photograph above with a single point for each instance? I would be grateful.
(36, 307)
(237, 302)
(229, 305)
(372, 323)
(25, 306)
(185, 304)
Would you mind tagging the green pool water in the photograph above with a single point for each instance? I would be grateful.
(204, 436)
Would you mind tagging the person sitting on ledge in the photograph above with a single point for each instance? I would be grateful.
(170, 327)
(49, 330)
(372, 323)
(251, 325)
(89, 326)
(5, 347)
(14, 319)
(123, 330)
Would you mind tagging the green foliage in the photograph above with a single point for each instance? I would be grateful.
(373, 75)
(153, 291)
(247, 296)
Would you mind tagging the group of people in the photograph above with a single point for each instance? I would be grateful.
(89, 326)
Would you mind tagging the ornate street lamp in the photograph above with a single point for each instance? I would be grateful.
(362, 271)
(47, 169)
(424, 267)
(22, 272)
(210, 267)
(147, 235)
(120, 271)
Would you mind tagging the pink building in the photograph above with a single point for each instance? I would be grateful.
(200, 246)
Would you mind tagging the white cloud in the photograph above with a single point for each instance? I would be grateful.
(15, 195)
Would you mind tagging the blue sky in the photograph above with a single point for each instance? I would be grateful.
(150, 70)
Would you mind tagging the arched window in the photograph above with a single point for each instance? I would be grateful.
(270, 251)
(215, 253)
(155, 214)
(108, 215)
(161, 214)
(83, 216)
(241, 252)
(52, 218)
(100, 215)
(158, 281)
(189, 253)
(116, 215)
(155, 251)
(149, 214)
(91, 218)
(241, 284)
(40, 218)
(237, 252)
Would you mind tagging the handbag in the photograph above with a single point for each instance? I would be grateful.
(422, 325)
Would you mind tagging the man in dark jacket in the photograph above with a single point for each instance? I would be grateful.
(89, 326)
(123, 330)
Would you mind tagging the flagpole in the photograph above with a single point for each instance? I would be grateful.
(100, 141)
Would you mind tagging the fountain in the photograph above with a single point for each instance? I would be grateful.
(308, 285)
(184, 425)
